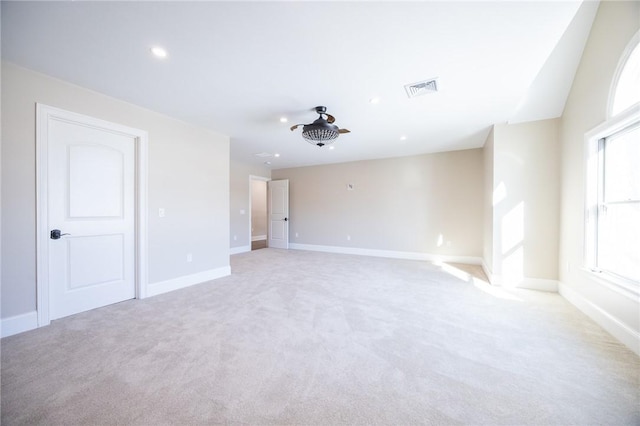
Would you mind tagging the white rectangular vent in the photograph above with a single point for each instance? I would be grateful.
(421, 88)
(264, 155)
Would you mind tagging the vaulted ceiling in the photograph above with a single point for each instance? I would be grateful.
(240, 67)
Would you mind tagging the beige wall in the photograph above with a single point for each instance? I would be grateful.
(525, 194)
(240, 186)
(429, 204)
(258, 208)
(188, 177)
(613, 28)
(487, 236)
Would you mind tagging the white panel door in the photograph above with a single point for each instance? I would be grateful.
(279, 214)
(91, 199)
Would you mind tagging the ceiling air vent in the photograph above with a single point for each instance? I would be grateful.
(421, 88)
(264, 155)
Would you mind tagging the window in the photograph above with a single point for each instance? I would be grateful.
(617, 210)
(612, 244)
(627, 87)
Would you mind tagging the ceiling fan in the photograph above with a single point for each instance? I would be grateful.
(322, 131)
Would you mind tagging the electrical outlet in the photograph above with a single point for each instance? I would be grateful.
(161, 212)
(242, 211)
(296, 235)
(348, 237)
(235, 238)
(189, 257)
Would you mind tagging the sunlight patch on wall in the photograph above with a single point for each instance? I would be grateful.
(512, 229)
(513, 268)
(512, 248)
(499, 193)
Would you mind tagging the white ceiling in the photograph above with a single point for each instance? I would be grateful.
(237, 67)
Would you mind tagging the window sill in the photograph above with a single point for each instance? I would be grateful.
(621, 286)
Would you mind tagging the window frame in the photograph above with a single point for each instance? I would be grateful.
(622, 62)
(626, 120)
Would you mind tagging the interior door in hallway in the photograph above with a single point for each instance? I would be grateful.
(91, 208)
(278, 200)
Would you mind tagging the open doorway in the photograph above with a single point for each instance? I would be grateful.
(259, 218)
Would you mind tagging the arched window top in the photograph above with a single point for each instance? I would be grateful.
(626, 84)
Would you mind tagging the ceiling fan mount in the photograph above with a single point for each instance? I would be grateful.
(322, 131)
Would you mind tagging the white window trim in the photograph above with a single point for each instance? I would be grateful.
(613, 125)
(622, 62)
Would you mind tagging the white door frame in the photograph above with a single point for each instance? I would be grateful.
(262, 179)
(44, 114)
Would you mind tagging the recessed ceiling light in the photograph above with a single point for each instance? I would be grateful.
(159, 52)
(267, 163)
(374, 100)
(284, 119)
(332, 147)
(276, 155)
(403, 138)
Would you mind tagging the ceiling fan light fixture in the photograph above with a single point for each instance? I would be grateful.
(322, 131)
(320, 134)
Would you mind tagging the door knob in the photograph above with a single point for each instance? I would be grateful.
(56, 234)
(285, 219)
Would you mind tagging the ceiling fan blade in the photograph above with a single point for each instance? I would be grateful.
(344, 131)
(330, 118)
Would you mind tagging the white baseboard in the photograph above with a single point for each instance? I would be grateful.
(604, 319)
(19, 323)
(187, 280)
(259, 238)
(487, 272)
(471, 260)
(238, 250)
(29, 321)
(539, 284)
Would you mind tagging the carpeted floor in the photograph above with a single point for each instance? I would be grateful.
(257, 245)
(295, 337)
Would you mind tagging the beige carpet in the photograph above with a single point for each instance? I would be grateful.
(296, 337)
(257, 245)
